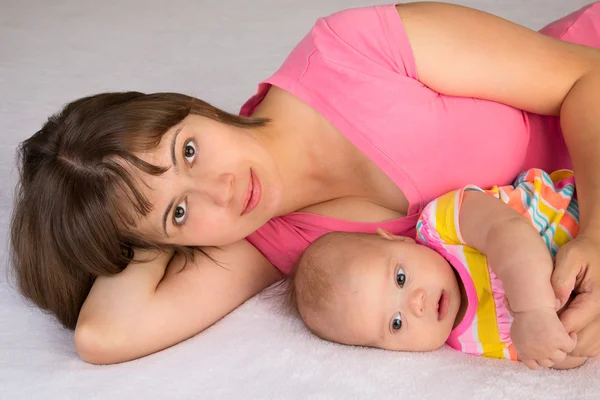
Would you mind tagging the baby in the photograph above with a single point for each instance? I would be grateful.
(477, 277)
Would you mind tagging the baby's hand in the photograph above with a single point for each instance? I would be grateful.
(540, 338)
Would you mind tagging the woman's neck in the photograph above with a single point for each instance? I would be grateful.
(312, 158)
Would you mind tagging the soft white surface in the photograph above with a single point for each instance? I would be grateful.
(54, 51)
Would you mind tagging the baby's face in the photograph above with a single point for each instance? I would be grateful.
(395, 295)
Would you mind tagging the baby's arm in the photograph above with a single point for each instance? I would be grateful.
(519, 257)
(515, 251)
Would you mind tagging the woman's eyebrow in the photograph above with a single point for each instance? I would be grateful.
(173, 142)
(166, 215)
(176, 168)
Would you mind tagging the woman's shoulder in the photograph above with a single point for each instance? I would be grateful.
(365, 39)
(370, 36)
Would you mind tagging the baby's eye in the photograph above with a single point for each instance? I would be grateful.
(400, 277)
(397, 323)
(189, 151)
(179, 213)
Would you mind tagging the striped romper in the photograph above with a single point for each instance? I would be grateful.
(548, 201)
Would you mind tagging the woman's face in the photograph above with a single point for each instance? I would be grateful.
(221, 185)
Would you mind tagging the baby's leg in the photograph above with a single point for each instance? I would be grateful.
(570, 362)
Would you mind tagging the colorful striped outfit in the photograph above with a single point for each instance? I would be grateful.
(548, 201)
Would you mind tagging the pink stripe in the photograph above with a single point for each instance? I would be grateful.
(458, 261)
(502, 315)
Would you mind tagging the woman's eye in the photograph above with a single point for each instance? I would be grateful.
(179, 213)
(189, 151)
(400, 277)
(397, 323)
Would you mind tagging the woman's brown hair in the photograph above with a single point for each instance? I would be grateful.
(75, 195)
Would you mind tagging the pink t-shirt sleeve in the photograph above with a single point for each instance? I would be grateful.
(374, 34)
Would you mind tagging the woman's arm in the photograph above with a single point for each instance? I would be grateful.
(487, 57)
(149, 307)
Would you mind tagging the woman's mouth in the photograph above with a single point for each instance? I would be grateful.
(253, 193)
(443, 305)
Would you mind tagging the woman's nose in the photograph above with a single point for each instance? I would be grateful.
(220, 191)
(417, 302)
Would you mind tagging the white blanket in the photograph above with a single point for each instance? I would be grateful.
(53, 52)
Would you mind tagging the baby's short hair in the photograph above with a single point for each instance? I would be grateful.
(311, 288)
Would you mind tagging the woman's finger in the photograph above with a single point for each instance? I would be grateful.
(567, 266)
(568, 344)
(580, 312)
(588, 344)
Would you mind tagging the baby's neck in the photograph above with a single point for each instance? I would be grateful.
(464, 302)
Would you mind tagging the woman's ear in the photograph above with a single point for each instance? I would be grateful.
(390, 236)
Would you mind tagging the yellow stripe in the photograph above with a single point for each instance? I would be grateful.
(444, 218)
(560, 175)
(487, 327)
(561, 236)
(547, 210)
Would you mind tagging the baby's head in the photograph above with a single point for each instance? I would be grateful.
(377, 290)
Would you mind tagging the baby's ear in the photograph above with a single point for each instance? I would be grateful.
(390, 236)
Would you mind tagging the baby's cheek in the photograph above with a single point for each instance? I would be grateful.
(435, 336)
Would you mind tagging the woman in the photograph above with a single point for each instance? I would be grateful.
(376, 112)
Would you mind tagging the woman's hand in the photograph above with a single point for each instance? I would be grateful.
(577, 272)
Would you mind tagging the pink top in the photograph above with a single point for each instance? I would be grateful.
(356, 68)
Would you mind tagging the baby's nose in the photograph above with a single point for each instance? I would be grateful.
(417, 302)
